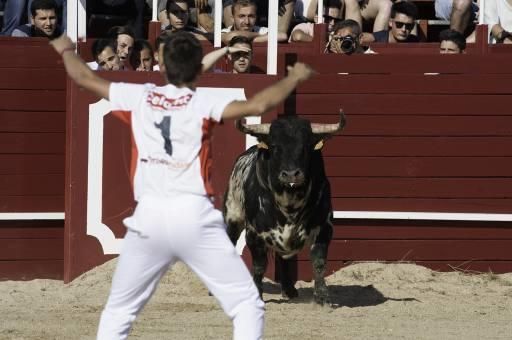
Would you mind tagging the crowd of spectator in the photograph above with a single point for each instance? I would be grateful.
(124, 47)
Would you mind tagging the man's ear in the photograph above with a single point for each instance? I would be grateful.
(32, 21)
(390, 24)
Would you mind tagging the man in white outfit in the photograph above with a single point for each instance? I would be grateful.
(175, 218)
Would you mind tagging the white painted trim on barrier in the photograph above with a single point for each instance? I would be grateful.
(433, 216)
(95, 227)
(31, 216)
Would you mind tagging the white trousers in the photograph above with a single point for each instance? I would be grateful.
(184, 228)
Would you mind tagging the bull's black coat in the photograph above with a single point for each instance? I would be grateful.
(279, 193)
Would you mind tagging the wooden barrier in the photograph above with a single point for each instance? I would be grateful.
(32, 128)
(406, 64)
(416, 143)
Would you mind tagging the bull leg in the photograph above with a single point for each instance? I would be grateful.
(259, 258)
(319, 262)
(287, 283)
(233, 230)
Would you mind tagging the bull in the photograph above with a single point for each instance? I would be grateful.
(279, 193)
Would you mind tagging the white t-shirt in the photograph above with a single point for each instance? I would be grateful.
(498, 12)
(171, 127)
(256, 29)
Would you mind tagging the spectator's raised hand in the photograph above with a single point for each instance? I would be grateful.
(235, 49)
(201, 4)
(300, 71)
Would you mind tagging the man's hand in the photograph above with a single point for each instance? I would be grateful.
(62, 44)
(234, 49)
(201, 4)
(300, 71)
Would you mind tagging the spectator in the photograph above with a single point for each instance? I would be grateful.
(244, 23)
(401, 25)
(460, 13)
(452, 42)
(241, 60)
(61, 12)
(304, 32)
(178, 15)
(133, 9)
(378, 11)
(105, 57)
(142, 58)
(498, 16)
(345, 38)
(13, 15)
(43, 21)
(124, 38)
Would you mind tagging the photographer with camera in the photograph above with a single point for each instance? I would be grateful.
(345, 38)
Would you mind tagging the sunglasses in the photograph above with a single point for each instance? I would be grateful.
(238, 55)
(408, 26)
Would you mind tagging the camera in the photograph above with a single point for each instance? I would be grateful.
(348, 44)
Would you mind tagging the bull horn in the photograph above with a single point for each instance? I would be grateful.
(329, 128)
(253, 129)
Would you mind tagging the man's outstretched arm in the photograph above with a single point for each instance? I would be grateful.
(270, 97)
(77, 70)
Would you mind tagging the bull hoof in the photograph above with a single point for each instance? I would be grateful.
(321, 295)
(290, 292)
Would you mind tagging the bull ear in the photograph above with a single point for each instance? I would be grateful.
(262, 145)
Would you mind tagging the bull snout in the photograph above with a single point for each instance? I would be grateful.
(292, 177)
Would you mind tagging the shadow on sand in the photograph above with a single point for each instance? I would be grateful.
(339, 296)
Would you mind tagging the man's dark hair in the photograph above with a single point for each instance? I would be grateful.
(168, 5)
(42, 4)
(332, 3)
(454, 36)
(352, 24)
(240, 39)
(118, 30)
(162, 37)
(243, 3)
(183, 56)
(100, 45)
(406, 8)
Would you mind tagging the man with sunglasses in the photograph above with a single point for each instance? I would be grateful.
(401, 25)
(304, 32)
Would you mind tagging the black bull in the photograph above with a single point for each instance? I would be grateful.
(279, 193)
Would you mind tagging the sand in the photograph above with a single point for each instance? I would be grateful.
(369, 301)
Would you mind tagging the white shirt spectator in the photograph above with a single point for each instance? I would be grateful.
(498, 12)
(256, 29)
